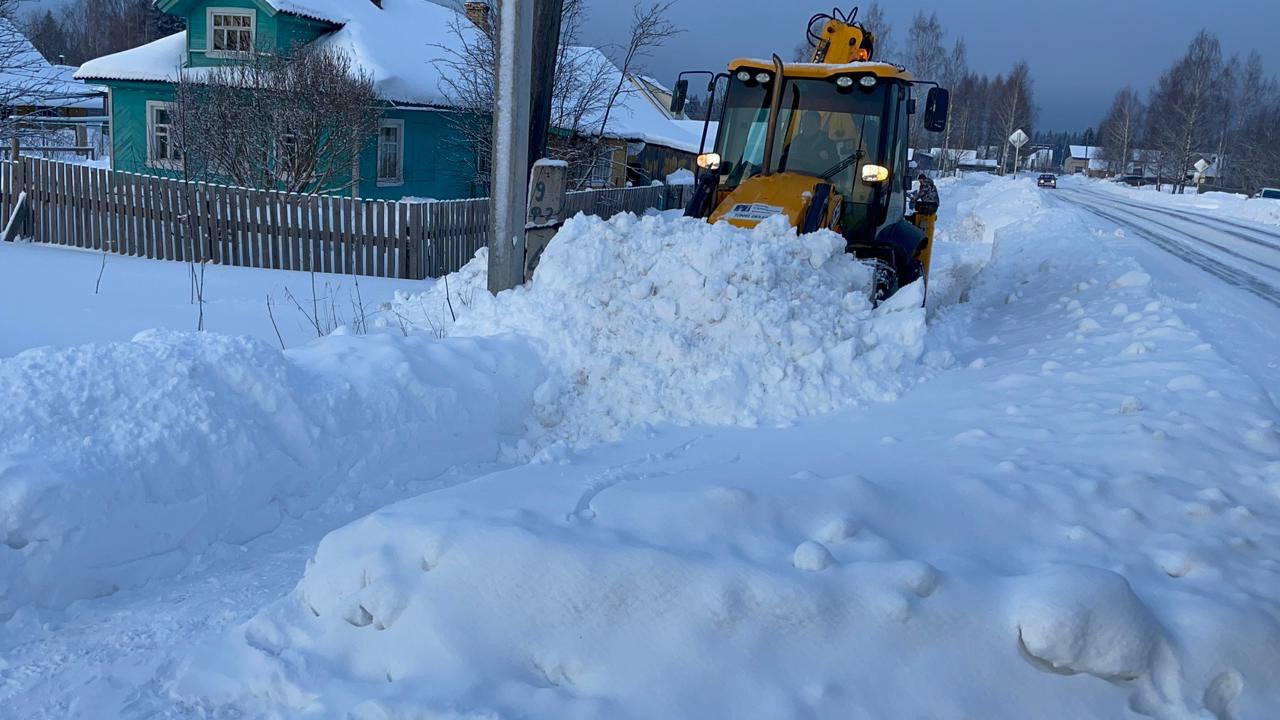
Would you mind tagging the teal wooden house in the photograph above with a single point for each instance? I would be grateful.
(419, 152)
(416, 153)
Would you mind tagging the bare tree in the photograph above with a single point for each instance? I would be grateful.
(925, 56)
(579, 94)
(1183, 104)
(1255, 147)
(1119, 131)
(296, 122)
(954, 72)
(650, 28)
(1012, 109)
(873, 19)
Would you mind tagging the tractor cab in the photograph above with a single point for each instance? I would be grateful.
(822, 143)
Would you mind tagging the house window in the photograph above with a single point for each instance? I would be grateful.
(231, 32)
(391, 152)
(287, 155)
(162, 145)
(602, 171)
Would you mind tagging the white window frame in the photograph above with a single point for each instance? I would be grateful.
(209, 51)
(153, 161)
(399, 179)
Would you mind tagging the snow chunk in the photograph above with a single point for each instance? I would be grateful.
(1085, 620)
(812, 556)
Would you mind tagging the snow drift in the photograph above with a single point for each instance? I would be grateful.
(119, 461)
(669, 319)
(1048, 530)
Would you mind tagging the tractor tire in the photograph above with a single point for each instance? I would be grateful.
(884, 283)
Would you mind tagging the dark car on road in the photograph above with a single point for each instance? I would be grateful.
(1047, 180)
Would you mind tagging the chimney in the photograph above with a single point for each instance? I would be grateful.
(478, 13)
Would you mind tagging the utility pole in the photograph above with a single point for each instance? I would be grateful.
(546, 50)
(510, 173)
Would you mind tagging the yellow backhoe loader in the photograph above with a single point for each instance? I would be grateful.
(823, 143)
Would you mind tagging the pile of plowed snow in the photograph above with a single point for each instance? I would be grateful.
(669, 319)
(1076, 521)
(120, 461)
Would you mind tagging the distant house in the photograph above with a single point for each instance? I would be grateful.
(401, 44)
(37, 89)
(964, 160)
(1038, 160)
(1085, 159)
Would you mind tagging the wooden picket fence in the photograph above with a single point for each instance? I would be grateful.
(166, 219)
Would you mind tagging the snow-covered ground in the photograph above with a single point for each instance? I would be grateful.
(727, 488)
(1221, 205)
(63, 297)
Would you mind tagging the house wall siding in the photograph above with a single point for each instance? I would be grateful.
(129, 125)
(436, 164)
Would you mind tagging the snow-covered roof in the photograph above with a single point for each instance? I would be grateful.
(404, 46)
(1082, 152)
(398, 45)
(30, 79)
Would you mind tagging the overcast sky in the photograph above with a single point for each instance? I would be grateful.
(1081, 52)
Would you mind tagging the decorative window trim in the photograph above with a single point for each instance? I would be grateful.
(208, 31)
(152, 160)
(397, 181)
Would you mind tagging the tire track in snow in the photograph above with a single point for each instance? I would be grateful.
(1199, 240)
(1203, 221)
(1232, 276)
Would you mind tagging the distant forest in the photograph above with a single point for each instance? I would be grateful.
(87, 29)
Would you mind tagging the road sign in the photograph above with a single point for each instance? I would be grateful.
(1201, 165)
(1018, 139)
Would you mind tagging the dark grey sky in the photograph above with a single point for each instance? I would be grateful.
(1081, 52)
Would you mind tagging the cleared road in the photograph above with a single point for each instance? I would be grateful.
(1239, 254)
(1227, 270)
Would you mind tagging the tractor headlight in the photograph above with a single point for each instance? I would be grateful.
(867, 81)
(763, 77)
(709, 161)
(874, 173)
(844, 81)
(743, 75)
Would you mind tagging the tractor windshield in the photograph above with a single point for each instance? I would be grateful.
(823, 130)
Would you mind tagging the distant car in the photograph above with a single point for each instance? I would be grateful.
(1047, 180)
(1270, 193)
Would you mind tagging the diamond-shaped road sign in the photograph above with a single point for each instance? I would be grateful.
(1201, 165)
(1018, 139)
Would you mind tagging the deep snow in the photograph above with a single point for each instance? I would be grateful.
(1056, 501)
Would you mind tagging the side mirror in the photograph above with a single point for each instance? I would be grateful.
(936, 106)
(678, 97)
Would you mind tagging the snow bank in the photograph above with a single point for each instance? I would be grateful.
(120, 461)
(669, 319)
(977, 205)
(1049, 530)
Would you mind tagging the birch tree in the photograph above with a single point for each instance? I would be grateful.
(1013, 108)
(1118, 133)
(1183, 107)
